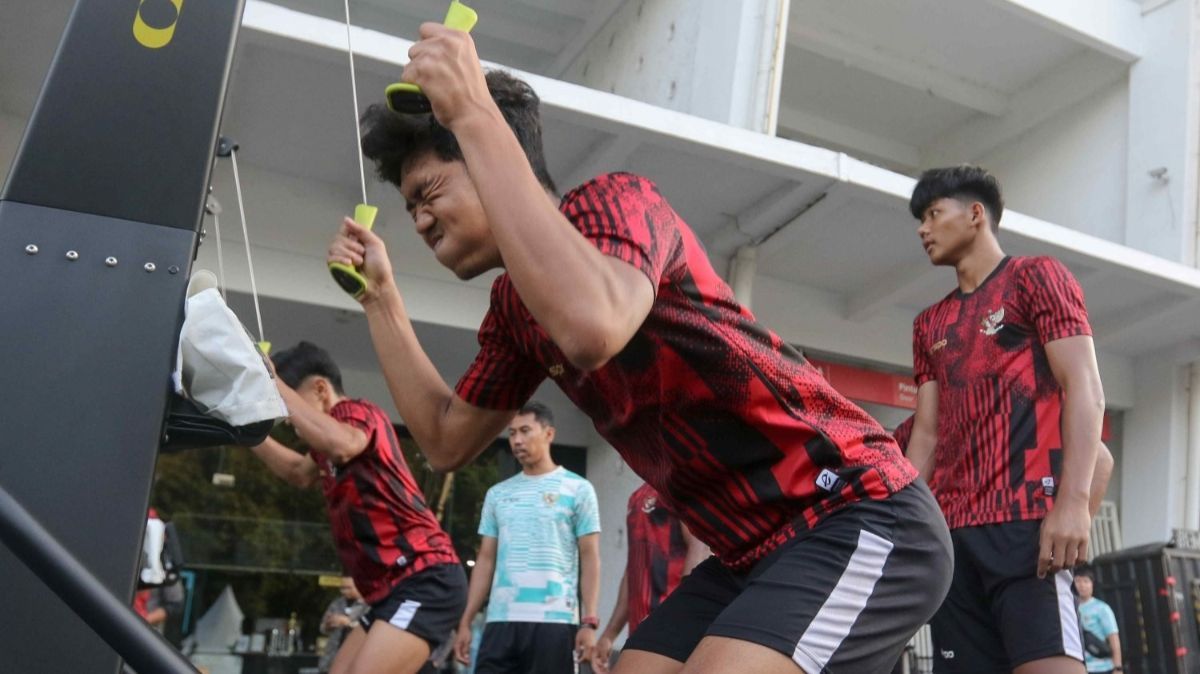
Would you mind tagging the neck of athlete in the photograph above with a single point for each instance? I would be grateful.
(979, 262)
(541, 467)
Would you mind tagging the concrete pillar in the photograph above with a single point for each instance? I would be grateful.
(1164, 128)
(717, 59)
(1154, 472)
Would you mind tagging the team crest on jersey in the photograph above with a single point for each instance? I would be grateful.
(938, 345)
(550, 498)
(649, 504)
(993, 322)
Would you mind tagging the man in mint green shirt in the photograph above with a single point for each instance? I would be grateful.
(538, 563)
(1096, 618)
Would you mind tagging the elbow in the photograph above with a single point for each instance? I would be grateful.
(445, 461)
(302, 480)
(589, 348)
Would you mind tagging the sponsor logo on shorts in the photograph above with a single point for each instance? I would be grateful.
(947, 655)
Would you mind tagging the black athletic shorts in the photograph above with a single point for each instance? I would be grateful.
(428, 603)
(845, 596)
(999, 614)
(526, 648)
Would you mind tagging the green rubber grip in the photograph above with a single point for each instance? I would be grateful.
(349, 278)
(405, 97)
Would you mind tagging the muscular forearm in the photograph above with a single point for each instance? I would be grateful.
(620, 614)
(422, 397)
(286, 464)
(1082, 415)
(1100, 477)
(922, 447)
(477, 590)
(589, 582)
(562, 278)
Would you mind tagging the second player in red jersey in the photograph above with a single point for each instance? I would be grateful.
(401, 560)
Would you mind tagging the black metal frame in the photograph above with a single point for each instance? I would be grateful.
(112, 620)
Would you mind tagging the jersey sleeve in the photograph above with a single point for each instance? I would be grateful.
(487, 519)
(1053, 299)
(587, 511)
(1108, 621)
(922, 368)
(626, 217)
(500, 377)
(354, 413)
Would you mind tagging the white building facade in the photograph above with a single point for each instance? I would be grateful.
(787, 133)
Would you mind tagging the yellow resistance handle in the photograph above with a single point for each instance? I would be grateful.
(349, 278)
(406, 97)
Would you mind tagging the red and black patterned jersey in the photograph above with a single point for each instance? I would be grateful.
(657, 553)
(740, 436)
(382, 528)
(999, 447)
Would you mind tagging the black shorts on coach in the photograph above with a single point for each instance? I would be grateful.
(999, 614)
(428, 603)
(845, 596)
(526, 648)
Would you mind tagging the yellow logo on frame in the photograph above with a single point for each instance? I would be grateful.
(151, 37)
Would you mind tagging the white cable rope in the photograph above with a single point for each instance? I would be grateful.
(362, 175)
(237, 184)
(220, 257)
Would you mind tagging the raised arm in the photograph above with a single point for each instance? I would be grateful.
(589, 304)
(322, 433)
(449, 431)
(290, 466)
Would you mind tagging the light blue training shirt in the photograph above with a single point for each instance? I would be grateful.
(537, 521)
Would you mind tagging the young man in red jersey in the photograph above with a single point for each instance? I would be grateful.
(661, 553)
(829, 552)
(1007, 431)
(402, 562)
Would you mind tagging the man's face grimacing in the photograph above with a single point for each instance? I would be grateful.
(448, 215)
(948, 228)
(529, 440)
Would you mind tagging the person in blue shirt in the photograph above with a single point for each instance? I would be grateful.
(538, 563)
(1097, 619)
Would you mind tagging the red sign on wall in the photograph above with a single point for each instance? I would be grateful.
(858, 383)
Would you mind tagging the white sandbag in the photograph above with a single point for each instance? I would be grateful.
(218, 365)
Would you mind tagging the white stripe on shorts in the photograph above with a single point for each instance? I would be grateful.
(405, 614)
(1072, 641)
(832, 623)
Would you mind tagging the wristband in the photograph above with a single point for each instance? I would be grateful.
(590, 621)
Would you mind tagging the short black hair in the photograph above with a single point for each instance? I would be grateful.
(958, 182)
(392, 140)
(304, 360)
(1085, 570)
(539, 411)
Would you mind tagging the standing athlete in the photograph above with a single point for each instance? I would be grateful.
(401, 560)
(661, 553)
(829, 552)
(538, 565)
(1007, 431)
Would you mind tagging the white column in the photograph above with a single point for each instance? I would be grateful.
(1154, 469)
(718, 59)
(742, 269)
(1191, 504)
